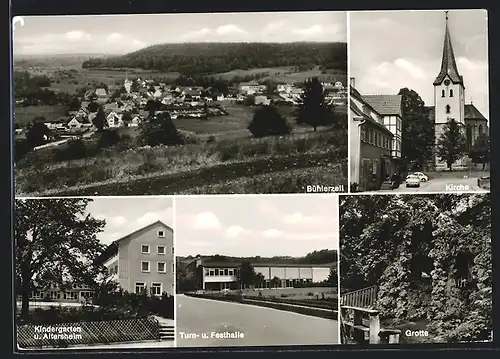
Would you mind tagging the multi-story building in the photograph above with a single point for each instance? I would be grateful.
(224, 275)
(143, 260)
(389, 107)
(370, 142)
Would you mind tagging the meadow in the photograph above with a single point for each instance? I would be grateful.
(268, 165)
(24, 115)
(295, 293)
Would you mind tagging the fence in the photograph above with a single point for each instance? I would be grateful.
(82, 333)
(361, 298)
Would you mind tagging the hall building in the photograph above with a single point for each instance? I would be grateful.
(449, 103)
(218, 276)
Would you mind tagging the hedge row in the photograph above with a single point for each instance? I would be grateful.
(275, 303)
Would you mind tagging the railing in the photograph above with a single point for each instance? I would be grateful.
(361, 298)
(82, 333)
(363, 326)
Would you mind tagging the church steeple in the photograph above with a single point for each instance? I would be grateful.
(448, 63)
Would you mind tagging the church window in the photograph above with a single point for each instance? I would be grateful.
(442, 93)
(448, 109)
(451, 93)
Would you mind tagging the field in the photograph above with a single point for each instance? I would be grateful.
(273, 71)
(23, 115)
(268, 165)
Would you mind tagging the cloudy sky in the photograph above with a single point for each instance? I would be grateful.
(42, 35)
(391, 50)
(255, 225)
(126, 215)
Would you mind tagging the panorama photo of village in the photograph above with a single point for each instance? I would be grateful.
(180, 104)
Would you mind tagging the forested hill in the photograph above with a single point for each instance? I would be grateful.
(324, 256)
(211, 58)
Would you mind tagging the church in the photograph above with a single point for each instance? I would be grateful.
(449, 103)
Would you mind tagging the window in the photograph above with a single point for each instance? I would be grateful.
(442, 93)
(156, 288)
(226, 271)
(161, 234)
(161, 267)
(173, 251)
(173, 268)
(161, 250)
(448, 109)
(451, 93)
(480, 129)
(145, 249)
(211, 272)
(145, 266)
(230, 272)
(216, 272)
(139, 287)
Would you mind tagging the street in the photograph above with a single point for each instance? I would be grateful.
(441, 185)
(255, 326)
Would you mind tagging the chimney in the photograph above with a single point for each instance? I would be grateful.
(352, 82)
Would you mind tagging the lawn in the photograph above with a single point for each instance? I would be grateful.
(296, 293)
(268, 165)
(23, 115)
(329, 76)
(272, 71)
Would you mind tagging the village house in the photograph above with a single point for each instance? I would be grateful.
(58, 125)
(114, 119)
(194, 94)
(370, 144)
(262, 100)
(251, 88)
(136, 121)
(390, 108)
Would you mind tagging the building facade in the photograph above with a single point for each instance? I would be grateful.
(389, 107)
(224, 275)
(449, 103)
(371, 144)
(143, 260)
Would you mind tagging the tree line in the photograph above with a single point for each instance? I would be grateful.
(195, 59)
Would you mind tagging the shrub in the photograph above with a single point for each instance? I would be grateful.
(74, 150)
(108, 138)
(21, 148)
(159, 130)
(267, 121)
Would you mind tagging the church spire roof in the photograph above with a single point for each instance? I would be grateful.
(448, 63)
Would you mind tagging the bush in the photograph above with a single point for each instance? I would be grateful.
(21, 149)
(59, 314)
(138, 305)
(74, 150)
(159, 131)
(267, 121)
(108, 138)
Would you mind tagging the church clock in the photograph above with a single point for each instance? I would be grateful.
(447, 82)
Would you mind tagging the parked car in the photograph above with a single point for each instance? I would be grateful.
(422, 176)
(412, 181)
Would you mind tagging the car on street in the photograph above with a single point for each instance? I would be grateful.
(412, 181)
(422, 176)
